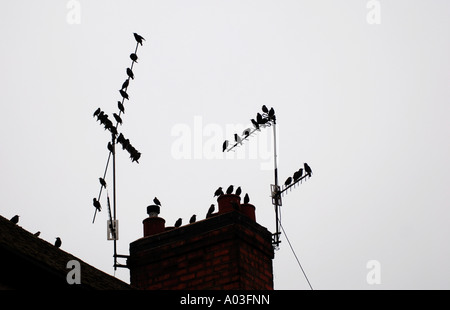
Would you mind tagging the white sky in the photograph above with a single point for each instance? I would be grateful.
(367, 106)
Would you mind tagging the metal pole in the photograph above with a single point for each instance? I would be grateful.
(114, 200)
(277, 241)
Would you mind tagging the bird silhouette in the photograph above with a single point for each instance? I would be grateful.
(238, 191)
(288, 181)
(37, 234)
(125, 84)
(246, 132)
(230, 189)
(102, 182)
(130, 73)
(237, 139)
(271, 113)
(110, 147)
(246, 199)
(224, 145)
(117, 118)
(58, 242)
(255, 124)
(178, 222)
(300, 173)
(138, 38)
(134, 57)
(210, 210)
(264, 109)
(96, 204)
(15, 219)
(121, 107)
(218, 192)
(97, 112)
(124, 94)
(156, 201)
(259, 119)
(308, 170)
(192, 219)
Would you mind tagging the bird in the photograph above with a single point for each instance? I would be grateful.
(271, 112)
(237, 139)
(156, 201)
(238, 191)
(296, 176)
(255, 124)
(134, 57)
(96, 204)
(246, 132)
(117, 118)
(126, 83)
(210, 210)
(15, 219)
(130, 73)
(178, 222)
(110, 147)
(259, 119)
(230, 189)
(124, 94)
(37, 234)
(102, 182)
(192, 219)
(300, 173)
(308, 170)
(138, 38)
(224, 145)
(264, 109)
(58, 242)
(246, 199)
(97, 112)
(218, 192)
(121, 107)
(288, 181)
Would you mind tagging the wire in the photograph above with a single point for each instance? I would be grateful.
(309, 283)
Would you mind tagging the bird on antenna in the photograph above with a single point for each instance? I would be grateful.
(125, 84)
(102, 182)
(178, 222)
(97, 205)
(121, 107)
(124, 94)
(138, 38)
(264, 109)
(210, 210)
(224, 145)
(192, 219)
(110, 147)
(117, 118)
(218, 192)
(230, 189)
(134, 57)
(97, 112)
(246, 199)
(255, 124)
(156, 201)
(58, 242)
(130, 73)
(15, 219)
(288, 181)
(237, 139)
(308, 170)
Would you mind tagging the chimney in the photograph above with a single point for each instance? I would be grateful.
(228, 250)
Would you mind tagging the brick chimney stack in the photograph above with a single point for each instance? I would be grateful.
(228, 250)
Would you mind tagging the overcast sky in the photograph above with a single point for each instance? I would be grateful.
(360, 94)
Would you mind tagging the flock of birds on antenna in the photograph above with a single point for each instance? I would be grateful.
(298, 176)
(219, 192)
(15, 221)
(266, 118)
(103, 118)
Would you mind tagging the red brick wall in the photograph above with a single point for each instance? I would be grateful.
(227, 251)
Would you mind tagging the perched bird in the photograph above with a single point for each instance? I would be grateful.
(130, 73)
(300, 173)
(121, 107)
(255, 124)
(102, 182)
(238, 191)
(230, 189)
(259, 119)
(192, 219)
(58, 242)
(296, 176)
(126, 83)
(237, 138)
(117, 118)
(178, 222)
(246, 199)
(156, 201)
(138, 38)
(246, 132)
(210, 210)
(264, 109)
(288, 181)
(124, 94)
(110, 147)
(97, 112)
(15, 219)
(37, 234)
(271, 112)
(97, 204)
(134, 57)
(308, 170)
(218, 192)
(224, 145)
